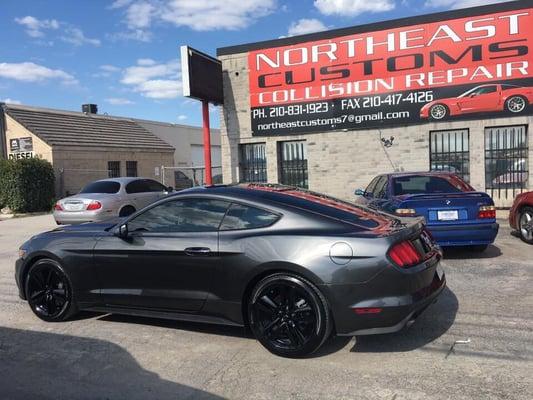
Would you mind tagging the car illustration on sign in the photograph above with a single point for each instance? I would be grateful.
(484, 98)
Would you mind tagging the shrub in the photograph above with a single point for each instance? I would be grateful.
(27, 185)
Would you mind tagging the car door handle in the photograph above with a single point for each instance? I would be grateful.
(197, 251)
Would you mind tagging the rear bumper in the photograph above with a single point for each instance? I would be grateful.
(464, 235)
(401, 297)
(79, 217)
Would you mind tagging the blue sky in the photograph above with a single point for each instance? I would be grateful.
(124, 54)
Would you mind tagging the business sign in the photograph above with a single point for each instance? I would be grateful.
(463, 64)
(20, 148)
(201, 76)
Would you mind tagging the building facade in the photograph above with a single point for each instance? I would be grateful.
(83, 147)
(283, 121)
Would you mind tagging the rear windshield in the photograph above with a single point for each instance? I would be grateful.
(102, 187)
(330, 207)
(428, 184)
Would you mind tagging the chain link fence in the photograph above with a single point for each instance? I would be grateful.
(186, 177)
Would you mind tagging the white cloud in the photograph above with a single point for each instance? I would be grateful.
(153, 80)
(69, 33)
(305, 25)
(459, 3)
(31, 72)
(109, 68)
(353, 7)
(35, 27)
(76, 37)
(10, 101)
(139, 15)
(182, 117)
(204, 15)
(145, 61)
(120, 3)
(118, 101)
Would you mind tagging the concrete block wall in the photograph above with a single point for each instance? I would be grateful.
(341, 161)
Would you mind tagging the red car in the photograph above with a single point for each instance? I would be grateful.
(484, 98)
(521, 216)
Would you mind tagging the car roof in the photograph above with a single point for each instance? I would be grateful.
(420, 173)
(122, 180)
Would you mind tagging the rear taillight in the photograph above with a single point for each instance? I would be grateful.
(406, 212)
(58, 207)
(404, 254)
(486, 212)
(94, 205)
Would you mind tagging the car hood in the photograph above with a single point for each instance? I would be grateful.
(90, 226)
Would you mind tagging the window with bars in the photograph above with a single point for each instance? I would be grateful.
(293, 163)
(449, 151)
(506, 160)
(113, 169)
(253, 166)
(131, 168)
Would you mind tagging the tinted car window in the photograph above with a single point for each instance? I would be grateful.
(245, 217)
(187, 215)
(381, 188)
(423, 184)
(138, 186)
(109, 187)
(372, 185)
(154, 186)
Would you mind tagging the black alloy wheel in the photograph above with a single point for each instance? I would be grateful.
(289, 315)
(49, 292)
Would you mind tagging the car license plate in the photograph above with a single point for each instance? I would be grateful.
(448, 215)
(74, 206)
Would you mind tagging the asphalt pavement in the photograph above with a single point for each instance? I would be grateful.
(476, 342)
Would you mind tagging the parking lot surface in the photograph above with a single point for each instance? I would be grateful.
(487, 311)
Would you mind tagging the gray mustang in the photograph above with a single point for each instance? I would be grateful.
(291, 264)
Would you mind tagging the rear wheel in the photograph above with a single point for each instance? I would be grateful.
(126, 211)
(289, 315)
(525, 224)
(49, 291)
(516, 104)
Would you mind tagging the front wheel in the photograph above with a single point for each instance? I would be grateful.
(289, 315)
(49, 291)
(516, 104)
(525, 224)
(438, 112)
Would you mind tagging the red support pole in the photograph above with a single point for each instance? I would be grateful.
(207, 144)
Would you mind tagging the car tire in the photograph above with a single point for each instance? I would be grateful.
(525, 224)
(438, 112)
(516, 104)
(289, 315)
(480, 248)
(49, 291)
(126, 211)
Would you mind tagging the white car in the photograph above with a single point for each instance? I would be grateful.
(108, 198)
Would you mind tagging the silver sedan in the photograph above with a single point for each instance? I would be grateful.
(108, 198)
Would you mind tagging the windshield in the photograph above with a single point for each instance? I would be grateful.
(420, 184)
(108, 187)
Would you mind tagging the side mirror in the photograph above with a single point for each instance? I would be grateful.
(170, 189)
(122, 231)
(473, 95)
(359, 192)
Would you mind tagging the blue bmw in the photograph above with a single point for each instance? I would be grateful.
(455, 213)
